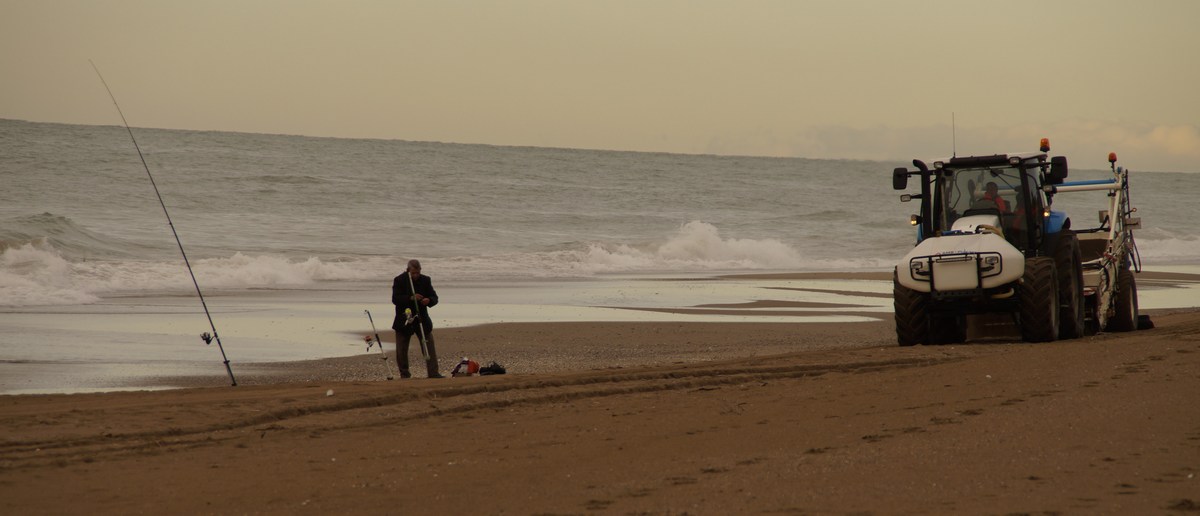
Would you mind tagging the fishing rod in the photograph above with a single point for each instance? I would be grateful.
(204, 336)
(378, 341)
(417, 316)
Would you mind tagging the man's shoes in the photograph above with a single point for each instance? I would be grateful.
(436, 375)
(405, 375)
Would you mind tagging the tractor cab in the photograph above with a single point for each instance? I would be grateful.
(1000, 197)
(1000, 193)
(988, 242)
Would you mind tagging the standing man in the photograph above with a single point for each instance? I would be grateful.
(409, 291)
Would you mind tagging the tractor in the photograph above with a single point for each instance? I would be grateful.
(990, 242)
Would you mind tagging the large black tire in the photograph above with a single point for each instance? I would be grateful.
(1039, 301)
(1125, 303)
(1068, 265)
(912, 314)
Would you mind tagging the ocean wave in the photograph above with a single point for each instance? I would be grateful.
(47, 230)
(1160, 246)
(38, 274)
(695, 247)
(32, 275)
(259, 271)
(292, 179)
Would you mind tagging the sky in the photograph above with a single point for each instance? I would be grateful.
(841, 79)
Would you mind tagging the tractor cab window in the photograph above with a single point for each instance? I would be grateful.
(1016, 226)
(978, 191)
(981, 191)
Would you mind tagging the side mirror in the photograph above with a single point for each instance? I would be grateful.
(899, 178)
(1058, 170)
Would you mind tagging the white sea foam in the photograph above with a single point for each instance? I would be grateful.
(695, 247)
(1161, 246)
(31, 275)
(247, 270)
(39, 275)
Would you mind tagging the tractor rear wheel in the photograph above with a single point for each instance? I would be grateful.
(1039, 301)
(1068, 264)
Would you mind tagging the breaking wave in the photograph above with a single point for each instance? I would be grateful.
(695, 247)
(47, 230)
(38, 274)
(1159, 246)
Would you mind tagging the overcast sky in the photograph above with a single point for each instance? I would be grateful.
(870, 79)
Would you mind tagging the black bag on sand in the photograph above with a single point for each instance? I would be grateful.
(1144, 323)
(492, 368)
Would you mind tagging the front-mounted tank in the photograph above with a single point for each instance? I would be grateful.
(987, 242)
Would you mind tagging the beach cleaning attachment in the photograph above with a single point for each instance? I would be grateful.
(1110, 254)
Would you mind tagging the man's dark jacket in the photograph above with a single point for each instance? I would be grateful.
(402, 297)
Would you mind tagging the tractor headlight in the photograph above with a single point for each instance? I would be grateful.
(918, 269)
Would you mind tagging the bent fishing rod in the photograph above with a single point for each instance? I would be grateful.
(205, 336)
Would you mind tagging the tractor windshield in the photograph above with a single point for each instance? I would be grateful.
(982, 191)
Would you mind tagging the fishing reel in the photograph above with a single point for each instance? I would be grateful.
(207, 337)
(410, 318)
(370, 342)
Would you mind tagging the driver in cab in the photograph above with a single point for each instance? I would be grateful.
(991, 193)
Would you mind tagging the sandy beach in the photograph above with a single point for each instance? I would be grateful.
(644, 418)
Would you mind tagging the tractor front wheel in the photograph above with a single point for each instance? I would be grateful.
(912, 314)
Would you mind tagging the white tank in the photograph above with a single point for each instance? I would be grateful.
(973, 256)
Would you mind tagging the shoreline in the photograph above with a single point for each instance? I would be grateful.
(578, 326)
(531, 349)
(558, 347)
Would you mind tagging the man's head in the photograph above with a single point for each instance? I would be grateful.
(414, 268)
(991, 189)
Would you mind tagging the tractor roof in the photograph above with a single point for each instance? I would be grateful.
(995, 160)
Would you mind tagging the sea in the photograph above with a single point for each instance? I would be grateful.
(330, 220)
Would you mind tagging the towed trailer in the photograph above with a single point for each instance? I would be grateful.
(1109, 254)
